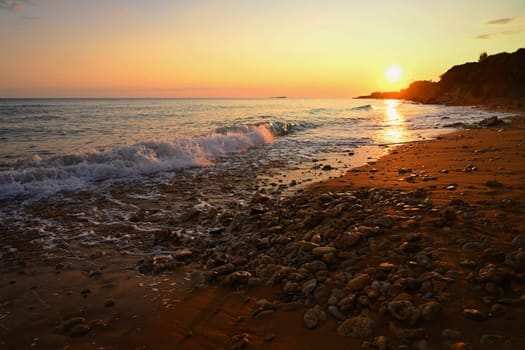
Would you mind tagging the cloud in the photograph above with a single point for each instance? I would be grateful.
(500, 21)
(505, 32)
(14, 5)
(483, 36)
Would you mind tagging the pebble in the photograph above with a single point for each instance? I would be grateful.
(358, 282)
(430, 311)
(239, 341)
(404, 310)
(79, 330)
(361, 326)
(314, 317)
(320, 251)
(338, 314)
(490, 339)
(308, 287)
(474, 314)
(237, 277)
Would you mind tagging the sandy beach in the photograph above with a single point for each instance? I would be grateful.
(421, 249)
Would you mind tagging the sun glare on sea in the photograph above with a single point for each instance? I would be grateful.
(393, 73)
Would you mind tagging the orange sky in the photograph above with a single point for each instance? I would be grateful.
(239, 48)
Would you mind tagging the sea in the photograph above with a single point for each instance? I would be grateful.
(54, 146)
(88, 178)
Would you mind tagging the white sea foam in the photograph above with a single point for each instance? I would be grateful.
(41, 177)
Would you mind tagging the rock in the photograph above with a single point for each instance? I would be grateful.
(409, 335)
(404, 310)
(361, 326)
(182, 254)
(320, 251)
(269, 337)
(451, 334)
(491, 122)
(491, 339)
(79, 329)
(358, 282)
(314, 317)
(315, 266)
(67, 325)
(239, 341)
(109, 303)
(347, 240)
(335, 312)
(472, 246)
(224, 269)
(409, 247)
(429, 311)
(94, 273)
(381, 287)
(308, 287)
(386, 267)
(292, 288)
(492, 273)
(497, 310)
(237, 277)
(307, 246)
(474, 314)
(384, 221)
(368, 231)
(460, 346)
(380, 343)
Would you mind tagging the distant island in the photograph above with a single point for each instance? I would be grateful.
(495, 80)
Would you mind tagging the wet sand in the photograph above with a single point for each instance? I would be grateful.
(423, 249)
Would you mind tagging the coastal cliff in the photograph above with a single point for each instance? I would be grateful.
(494, 80)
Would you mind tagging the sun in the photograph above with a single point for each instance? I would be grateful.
(393, 73)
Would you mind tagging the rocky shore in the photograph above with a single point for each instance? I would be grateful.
(421, 249)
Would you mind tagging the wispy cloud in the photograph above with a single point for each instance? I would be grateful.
(505, 32)
(14, 5)
(483, 36)
(500, 21)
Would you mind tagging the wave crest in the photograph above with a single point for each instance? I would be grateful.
(42, 177)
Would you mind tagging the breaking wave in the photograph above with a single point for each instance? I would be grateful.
(42, 177)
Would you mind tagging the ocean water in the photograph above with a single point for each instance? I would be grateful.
(48, 146)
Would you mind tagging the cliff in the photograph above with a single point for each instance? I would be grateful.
(493, 80)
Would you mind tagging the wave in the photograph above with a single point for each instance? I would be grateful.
(364, 108)
(44, 177)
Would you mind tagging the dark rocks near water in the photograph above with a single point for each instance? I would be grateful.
(373, 260)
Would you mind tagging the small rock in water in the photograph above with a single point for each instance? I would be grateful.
(474, 314)
(334, 311)
(314, 317)
(361, 326)
(239, 341)
(79, 330)
(490, 339)
(237, 277)
(430, 311)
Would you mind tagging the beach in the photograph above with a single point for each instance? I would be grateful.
(421, 248)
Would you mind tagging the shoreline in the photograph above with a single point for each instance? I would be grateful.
(390, 250)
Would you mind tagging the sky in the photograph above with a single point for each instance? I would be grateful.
(242, 48)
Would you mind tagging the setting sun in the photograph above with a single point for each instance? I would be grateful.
(393, 74)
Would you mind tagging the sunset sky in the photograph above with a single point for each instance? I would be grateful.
(242, 48)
